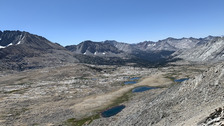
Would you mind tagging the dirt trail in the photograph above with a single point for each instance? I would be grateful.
(97, 102)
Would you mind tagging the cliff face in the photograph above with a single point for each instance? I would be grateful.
(209, 51)
(188, 103)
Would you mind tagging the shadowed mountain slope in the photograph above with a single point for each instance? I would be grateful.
(22, 50)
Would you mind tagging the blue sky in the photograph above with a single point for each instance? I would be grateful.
(72, 21)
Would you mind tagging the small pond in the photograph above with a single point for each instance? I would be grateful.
(135, 78)
(181, 80)
(141, 89)
(130, 82)
(112, 111)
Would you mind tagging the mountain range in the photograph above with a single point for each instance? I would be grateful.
(21, 50)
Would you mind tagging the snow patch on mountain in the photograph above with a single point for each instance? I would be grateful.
(1, 47)
(18, 43)
(151, 44)
(9, 44)
(6, 46)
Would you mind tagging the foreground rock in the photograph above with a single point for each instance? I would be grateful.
(215, 118)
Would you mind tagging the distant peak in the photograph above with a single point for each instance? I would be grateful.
(13, 31)
(86, 41)
(110, 41)
(170, 38)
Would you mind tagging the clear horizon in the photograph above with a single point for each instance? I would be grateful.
(71, 22)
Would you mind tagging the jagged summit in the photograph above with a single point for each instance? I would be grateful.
(8, 38)
(94, 48)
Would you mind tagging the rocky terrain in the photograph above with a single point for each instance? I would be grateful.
(49, 95)
(43, 83)
(190, 103)
(215, 118)
(55, 95)
(211, 51)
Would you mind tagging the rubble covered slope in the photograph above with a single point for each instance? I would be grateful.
(188, 103)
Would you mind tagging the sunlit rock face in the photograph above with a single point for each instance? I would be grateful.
(211, 49)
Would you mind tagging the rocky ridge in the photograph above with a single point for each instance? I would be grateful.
(212, 50)
(188, 49)
(22, 50)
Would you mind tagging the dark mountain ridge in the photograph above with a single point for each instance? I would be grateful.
(91, 47)
(22, 50)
